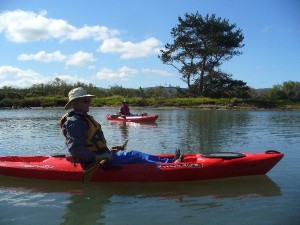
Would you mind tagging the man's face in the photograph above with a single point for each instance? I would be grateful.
(82, 104)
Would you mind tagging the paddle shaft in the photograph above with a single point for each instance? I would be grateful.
(89, 173)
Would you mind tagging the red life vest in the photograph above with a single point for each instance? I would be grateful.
(124, 110)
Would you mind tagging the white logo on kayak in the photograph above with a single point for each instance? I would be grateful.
(179, 165)
(36, 166)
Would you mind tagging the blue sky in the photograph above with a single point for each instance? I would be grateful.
(117, 42)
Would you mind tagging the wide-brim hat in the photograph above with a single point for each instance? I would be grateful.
(77, 93)
(125, 101)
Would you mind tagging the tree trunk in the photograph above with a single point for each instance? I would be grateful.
(201, 84)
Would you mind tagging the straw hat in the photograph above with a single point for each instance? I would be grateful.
(77, 93)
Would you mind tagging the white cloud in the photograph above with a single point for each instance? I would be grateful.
(43, 57)
(71, 79)
(162, 73)
(121, 74)
(19, 78)
(97, 32)
(16, 77)
(22, 26)
(79, 58)
(129, 50)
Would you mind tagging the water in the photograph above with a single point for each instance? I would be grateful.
(271, 199)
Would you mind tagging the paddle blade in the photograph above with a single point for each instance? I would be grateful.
(125, 144)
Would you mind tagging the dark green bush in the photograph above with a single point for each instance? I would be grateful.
(31, 102)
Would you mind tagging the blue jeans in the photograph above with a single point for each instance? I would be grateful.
(133, 157)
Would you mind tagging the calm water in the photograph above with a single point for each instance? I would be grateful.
(271, 199)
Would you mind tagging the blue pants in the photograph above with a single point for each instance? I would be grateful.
(133, 157)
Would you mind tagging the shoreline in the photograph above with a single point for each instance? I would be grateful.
(201, 107)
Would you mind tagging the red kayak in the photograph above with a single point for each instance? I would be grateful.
(138, 118)
(193, 167)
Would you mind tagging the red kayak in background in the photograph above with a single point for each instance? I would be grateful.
(193, 167)
(138, 118)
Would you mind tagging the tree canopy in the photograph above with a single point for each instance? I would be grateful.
(200, 46)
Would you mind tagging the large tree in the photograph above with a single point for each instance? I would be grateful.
(221, 85)
(200, 46)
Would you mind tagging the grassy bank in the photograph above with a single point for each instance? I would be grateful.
(210, 103)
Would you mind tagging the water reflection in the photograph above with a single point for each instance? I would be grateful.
(286, 127)
(94, 202)
(126, 127)
(37, 131)
(221, 188)
(26, 132)
(205, 130)
(216, 129)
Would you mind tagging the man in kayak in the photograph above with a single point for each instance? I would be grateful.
(124, 109)
(85, 139)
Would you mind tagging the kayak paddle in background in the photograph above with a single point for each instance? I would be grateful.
(117, 116)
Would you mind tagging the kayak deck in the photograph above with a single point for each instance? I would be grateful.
(193, 167)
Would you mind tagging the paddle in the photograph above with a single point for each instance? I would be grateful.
(117, 116)
(125, 144)
(88, 173)
(119, 148)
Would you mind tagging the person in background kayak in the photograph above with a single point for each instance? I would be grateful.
(85, 139)
(124, 109)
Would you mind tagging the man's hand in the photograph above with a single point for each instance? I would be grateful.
(119, 148)
(116, 149)
(104, 156)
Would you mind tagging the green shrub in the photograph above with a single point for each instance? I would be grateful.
(6, 103)
(31, 102)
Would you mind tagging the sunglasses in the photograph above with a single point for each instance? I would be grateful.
(85, 101)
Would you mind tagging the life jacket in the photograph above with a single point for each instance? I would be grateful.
(124, 110)
(95, 140)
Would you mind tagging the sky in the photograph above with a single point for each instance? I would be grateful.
(117, 42)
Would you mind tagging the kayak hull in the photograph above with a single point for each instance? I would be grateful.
(193, 167)
(148, 118)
